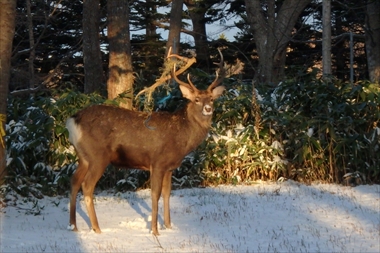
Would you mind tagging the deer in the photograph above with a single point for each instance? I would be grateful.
(156, 141)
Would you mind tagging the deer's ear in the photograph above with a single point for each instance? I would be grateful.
(187, 92)
(217, 91)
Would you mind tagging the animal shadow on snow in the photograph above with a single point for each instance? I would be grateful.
(137, 203)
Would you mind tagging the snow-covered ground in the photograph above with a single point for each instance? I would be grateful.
(264, 217)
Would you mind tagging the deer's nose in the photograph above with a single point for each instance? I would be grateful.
(207, 110)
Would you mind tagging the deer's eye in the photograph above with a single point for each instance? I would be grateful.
(197, 100)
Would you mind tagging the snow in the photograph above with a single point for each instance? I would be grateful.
(263, 217)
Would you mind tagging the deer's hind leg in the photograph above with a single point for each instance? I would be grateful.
(76, 181)
(88, 186)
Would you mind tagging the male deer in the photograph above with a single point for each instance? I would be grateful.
(157, 142)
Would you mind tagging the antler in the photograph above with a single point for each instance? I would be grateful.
(189, 62)
(165, 77)
(175, 73)
(190, 84)
(219, 77)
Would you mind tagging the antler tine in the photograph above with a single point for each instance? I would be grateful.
(174, 73)
(218, 78)
(188, 61)
(190, 84)
(169, 52)
(164, 77)
(182, 58)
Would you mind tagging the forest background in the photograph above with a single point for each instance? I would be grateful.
(302, 98)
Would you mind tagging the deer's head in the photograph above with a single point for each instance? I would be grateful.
(202, 100)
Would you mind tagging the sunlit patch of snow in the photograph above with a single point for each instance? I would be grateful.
(263, 217)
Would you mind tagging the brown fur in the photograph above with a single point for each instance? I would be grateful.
(157, 142)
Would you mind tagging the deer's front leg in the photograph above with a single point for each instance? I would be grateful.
(166, 189)
(156, 178)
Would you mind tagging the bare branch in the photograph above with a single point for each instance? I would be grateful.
(25, 91)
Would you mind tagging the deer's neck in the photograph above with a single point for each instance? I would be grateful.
(195, 127)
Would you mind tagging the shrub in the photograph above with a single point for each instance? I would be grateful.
(328, 128)
(311, 130)
(237, 150)
(37, 141)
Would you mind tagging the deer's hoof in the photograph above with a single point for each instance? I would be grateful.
(155, 232)
(72, 227)
(97, 230)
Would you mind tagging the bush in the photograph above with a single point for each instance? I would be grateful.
(37, 141)
(307, 131)
(328, 128)
(238, 150)
(310, 130)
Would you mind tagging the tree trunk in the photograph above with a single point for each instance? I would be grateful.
(32, 53)
(326, 38)
(175, 26)
(197, 14)
(120, 79)
(340, 59)
(150, 11)
(373, 40)
(7, 28)
(150, 34)
(272, 30)
(92, 58)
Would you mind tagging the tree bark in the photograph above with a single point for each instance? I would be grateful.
(7, 28)
(373, 40)
(151, 28)
(197, 14)
(326, 38)
(272, 30)
(340, 48)
(175, 27)
(92, 58)
(120, 79)
(32, 53)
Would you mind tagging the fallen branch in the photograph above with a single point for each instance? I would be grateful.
(25, 91)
